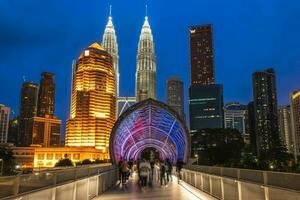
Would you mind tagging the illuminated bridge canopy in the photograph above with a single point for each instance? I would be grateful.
(149, 124)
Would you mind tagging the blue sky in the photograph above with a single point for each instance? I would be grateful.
(37, 36)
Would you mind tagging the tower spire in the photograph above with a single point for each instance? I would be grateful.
(146, 9)
(110, 10)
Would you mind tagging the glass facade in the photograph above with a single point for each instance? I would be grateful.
(206, 107)
(235, 116)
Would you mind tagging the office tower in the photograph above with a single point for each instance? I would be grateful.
(175, 97)
(265, 107)
(295, 111)
(235, 117)
(13, 130)
(28, 108)
(4, 122)
(46, 95)
(46, 131)
(251, 124)
(146, 65)
(93, 103)
(110, 44)
(206, 107)
(285, 127)
(202, 55)
(124, 103)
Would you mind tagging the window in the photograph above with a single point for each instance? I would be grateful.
(58, 156)
(49, 156)
(76, 156)
(41, 156)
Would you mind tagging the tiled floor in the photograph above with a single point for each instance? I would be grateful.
(173, 191)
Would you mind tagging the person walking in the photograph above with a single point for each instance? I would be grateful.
(125, 171)
(179, 165)
(169, 170)
(144, 170)
(163, 175)
(157, 171)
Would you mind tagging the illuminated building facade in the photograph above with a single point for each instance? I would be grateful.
(295, 111)
(235, 117)
(93, 103)
(46, 96)
(175, 97)
(28, 109)
(124, 103)
(202, 55)
(110, 44)
(149, 124)
(285, 127)
(266, 113)
(4, 123)
(146, 65)
(46, 131)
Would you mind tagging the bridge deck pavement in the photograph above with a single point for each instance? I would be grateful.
(174, 191)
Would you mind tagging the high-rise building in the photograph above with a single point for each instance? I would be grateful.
(285, 127)
(202, 55)
(4, 122)
(124, 103)
(175, 97)
(295, 111)
(265, 107)
(110, 44)
(206, 107)
(46, 95)
(13, 130)
(146, 65)
(28, 109)
(93, 103)
(251, 124)
(46, 131)
(235, 117)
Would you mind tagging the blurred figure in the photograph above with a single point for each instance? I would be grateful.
(169, 170)
(157, 171)
(144, 171)
(125, 171)
(163, 175)
(120, 169)
(179, 165)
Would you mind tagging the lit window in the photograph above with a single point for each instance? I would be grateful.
(86, 53)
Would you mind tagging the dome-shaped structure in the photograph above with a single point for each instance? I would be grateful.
(149, 124)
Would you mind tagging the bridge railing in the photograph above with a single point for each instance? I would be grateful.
(14, 186)
(233, 183)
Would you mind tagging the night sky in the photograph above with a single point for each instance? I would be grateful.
(37, 36)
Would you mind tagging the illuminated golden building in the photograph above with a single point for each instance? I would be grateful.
(93, 102)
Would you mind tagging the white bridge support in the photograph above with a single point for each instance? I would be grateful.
(243, 184)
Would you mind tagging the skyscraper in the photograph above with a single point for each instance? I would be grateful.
(206, 107)
(285, 127)
(46, 95)
(4, 122)
(124, 103)
(146, 65)
(110, 44)
(265, 107)
(235, 117)
(175, 97)
(205, 97)
(202, 54)
(28, 109)
(295, 110)
(93, 104)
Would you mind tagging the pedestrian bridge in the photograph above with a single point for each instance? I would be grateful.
(199, 182)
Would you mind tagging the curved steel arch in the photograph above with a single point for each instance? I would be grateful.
(149, 123)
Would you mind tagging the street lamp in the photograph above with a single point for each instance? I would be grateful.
(197, 157)
(1, 172)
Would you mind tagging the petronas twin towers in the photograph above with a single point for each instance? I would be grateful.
(145, 64)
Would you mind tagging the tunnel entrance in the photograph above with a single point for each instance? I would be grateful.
(149, 124)
(150, 154)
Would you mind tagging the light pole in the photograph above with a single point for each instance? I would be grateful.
(1, 160)
(197, 157)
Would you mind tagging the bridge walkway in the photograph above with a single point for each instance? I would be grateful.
(173, 191)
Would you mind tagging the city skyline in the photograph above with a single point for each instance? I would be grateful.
(168, 64)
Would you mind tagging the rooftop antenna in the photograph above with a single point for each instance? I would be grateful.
(110, 10)
(146, 7)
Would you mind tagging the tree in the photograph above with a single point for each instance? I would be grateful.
(218, 146)
(66, 162)
(86, 162)
(9, 163)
